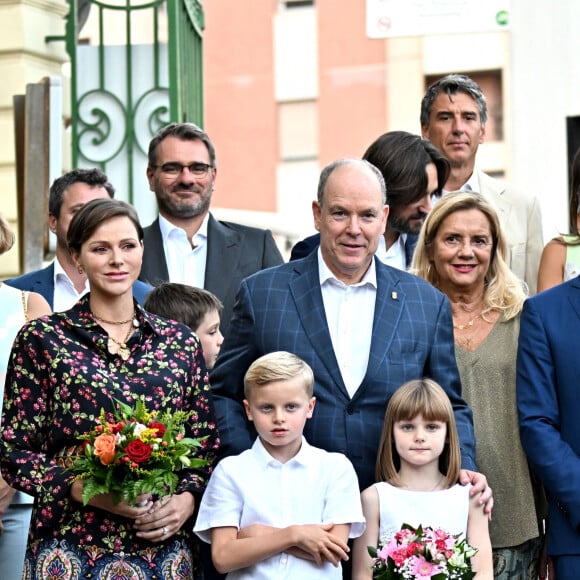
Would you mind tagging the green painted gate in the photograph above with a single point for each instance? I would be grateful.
(142, 71)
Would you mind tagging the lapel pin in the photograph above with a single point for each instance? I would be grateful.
(394, 296)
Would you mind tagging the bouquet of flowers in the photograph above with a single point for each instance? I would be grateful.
(133, 453)
(424, 553)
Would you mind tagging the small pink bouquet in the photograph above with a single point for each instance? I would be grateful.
(422, 553)
(134, 452)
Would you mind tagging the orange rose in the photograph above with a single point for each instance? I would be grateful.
(105, 448)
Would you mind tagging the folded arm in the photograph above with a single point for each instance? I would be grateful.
(230, 552)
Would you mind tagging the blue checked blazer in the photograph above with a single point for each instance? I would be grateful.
(548, 383)
(282, 309)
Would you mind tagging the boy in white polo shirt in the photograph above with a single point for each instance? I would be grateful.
(282, 509)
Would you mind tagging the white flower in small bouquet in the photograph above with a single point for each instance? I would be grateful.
(423, 554)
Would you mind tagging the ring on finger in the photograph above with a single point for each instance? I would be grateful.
(164, 530)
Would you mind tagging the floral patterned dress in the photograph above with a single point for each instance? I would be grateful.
(59, 377)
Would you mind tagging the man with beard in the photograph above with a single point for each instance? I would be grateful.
(186, 244)
(415, 172)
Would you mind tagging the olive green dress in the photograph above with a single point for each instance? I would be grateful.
(488, 379)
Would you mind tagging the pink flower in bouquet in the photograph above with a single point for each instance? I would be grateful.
(423, 570)
(443, 541)
(394, 551)
(402, 534)
(423, 554)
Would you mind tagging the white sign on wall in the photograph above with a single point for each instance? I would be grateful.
(390, 18)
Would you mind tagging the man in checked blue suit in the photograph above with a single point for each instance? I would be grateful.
(365, 328)
(548, 383)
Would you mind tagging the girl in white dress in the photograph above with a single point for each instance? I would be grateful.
(417, 469)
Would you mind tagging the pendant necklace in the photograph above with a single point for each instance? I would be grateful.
(123, 351)
(467, 324)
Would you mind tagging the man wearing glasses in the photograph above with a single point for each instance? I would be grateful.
(186, 243)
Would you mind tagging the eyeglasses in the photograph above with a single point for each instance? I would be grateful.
(174, 169)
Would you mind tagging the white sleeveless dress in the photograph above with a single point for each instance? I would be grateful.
(447, 509)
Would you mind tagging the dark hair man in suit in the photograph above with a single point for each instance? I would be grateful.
(61, 283)
(548, 368)
(186, 244)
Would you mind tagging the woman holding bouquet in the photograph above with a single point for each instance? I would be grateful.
(64, 370)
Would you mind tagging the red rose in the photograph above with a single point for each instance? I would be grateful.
(160, 428)
(138, 451)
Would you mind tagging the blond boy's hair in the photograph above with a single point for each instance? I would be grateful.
(278, 366)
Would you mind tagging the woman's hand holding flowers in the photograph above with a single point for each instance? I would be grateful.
(165, 517)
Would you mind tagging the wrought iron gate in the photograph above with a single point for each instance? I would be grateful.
(144, 72)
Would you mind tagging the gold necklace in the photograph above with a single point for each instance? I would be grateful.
(468, 324)
(123, 351)
(117, 322)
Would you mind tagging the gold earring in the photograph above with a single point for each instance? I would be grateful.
(80, 269)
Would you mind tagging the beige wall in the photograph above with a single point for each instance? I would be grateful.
(335, 91)
(240, 108)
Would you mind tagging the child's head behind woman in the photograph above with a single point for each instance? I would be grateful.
(426, 398)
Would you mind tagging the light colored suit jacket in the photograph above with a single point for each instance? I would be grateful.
(521, 223)
(548, 385)
(282, 309)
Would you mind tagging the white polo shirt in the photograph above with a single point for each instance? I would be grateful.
(314, 487)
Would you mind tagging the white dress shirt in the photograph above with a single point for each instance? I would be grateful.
(396, 255)
(314, 487)
(186, 259)
(349, 314)
(472, 184)
(65, 293)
